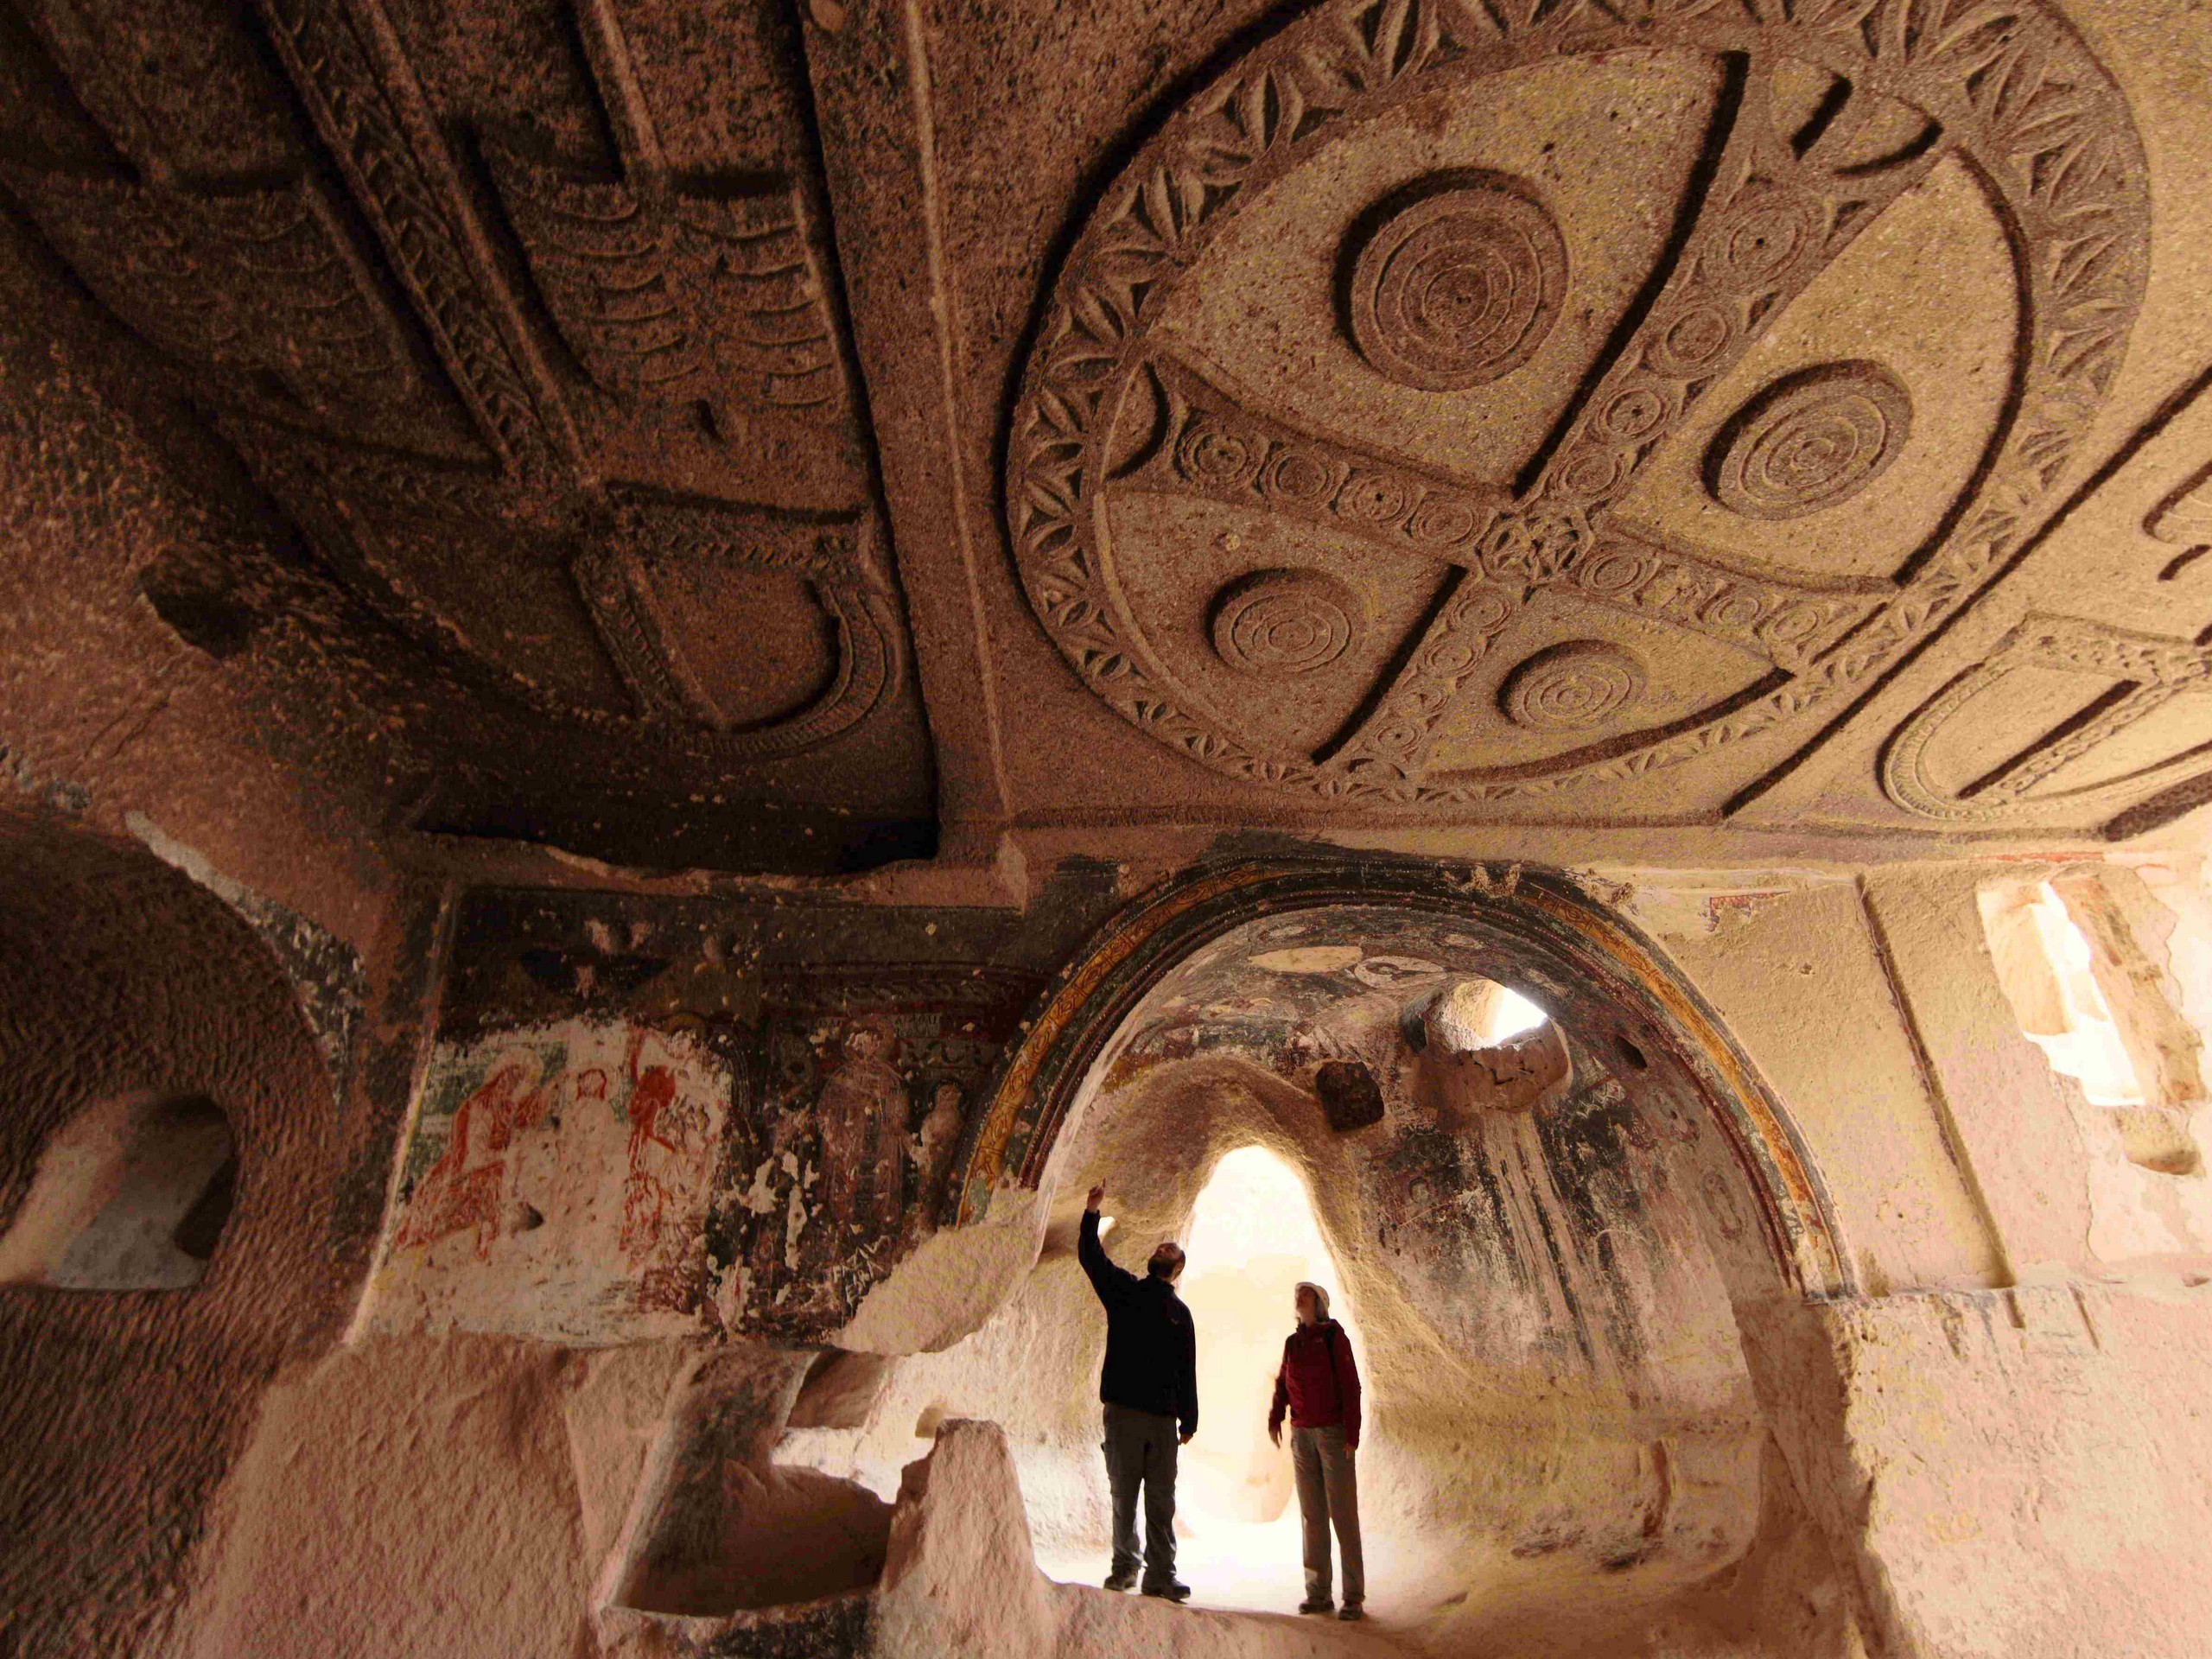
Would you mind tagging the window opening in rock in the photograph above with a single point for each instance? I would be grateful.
(131, 1194)
(1477, 1014)
(2056, 963)
(1253, 1237)
(2048, 969)
(1511, 1013)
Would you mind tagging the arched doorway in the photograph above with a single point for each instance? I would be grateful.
(1532, 929)
(1549, 1236)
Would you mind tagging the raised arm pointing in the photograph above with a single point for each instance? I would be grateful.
(1112, 1283)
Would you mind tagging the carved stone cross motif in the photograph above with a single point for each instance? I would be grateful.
(1453, 286)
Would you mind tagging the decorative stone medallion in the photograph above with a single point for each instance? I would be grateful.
(1284, 623)
(1566, 687)
(1809, 441)
(1135, 420)
(1456, 281)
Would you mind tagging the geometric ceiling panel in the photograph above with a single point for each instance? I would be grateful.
(524, 328)
(1409, 427)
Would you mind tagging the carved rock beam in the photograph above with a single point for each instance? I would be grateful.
(345, 60)
(869, 64)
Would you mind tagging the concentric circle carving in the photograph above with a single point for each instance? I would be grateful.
(1281, 624)
(1809, 441)
(1695, 341)
(1768, 236)
(1582, 682)
(1455, 283)
(1441, 521)
(1301, 475)
(1214, 455)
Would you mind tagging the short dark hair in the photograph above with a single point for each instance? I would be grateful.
(1154, 1268)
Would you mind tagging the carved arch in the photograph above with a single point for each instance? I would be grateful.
(2139, 674)
(1531, 913)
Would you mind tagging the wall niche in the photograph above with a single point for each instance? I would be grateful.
(133, 1194)
(722, 1528)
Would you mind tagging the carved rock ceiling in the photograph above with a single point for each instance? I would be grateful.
(1713, 413)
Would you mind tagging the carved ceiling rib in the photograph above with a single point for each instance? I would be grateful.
(1783, 190)
(576, 420)
(348, 68)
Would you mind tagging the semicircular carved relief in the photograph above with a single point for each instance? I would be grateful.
(608, 584)
(1130, 436)
(2127, 678)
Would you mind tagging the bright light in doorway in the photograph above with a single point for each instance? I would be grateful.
(1253, 1237)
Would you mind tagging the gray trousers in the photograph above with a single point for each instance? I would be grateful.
(1328, 1489)
(1140, 1451)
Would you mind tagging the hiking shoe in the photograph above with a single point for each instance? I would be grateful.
(1121, 1580)
(1321, 1604)
(1351, 1610)
(1169, 1592)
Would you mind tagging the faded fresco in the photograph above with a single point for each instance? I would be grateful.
(856, 1097)
(1562, 1237)
(642, 1118)
(570, 1163)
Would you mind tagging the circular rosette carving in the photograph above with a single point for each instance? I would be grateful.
(1281, 624)
(1455, 282)
(1772, 232)
(1536, 545)
(1210, 453)
(1201, 385)
(1566, 687)
(1809, 441)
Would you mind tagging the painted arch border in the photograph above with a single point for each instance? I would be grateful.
(1009, 1143)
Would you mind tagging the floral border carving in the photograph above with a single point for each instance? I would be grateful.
(2015, 88)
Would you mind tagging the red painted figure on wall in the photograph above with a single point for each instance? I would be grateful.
(661, 1156)
(469, 1184)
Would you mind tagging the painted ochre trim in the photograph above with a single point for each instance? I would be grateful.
(1012, 1139)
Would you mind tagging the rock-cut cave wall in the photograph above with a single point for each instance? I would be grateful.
(1604, 1407)
(122, 981)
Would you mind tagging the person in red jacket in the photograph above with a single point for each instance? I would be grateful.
(1319, 1384)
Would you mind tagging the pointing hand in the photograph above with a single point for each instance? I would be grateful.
(1097, 1197)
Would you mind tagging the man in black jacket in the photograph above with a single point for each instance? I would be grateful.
(1150, 1389)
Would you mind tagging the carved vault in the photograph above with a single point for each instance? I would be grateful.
(1699, 412)
(532, 338)
(1625, 567)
